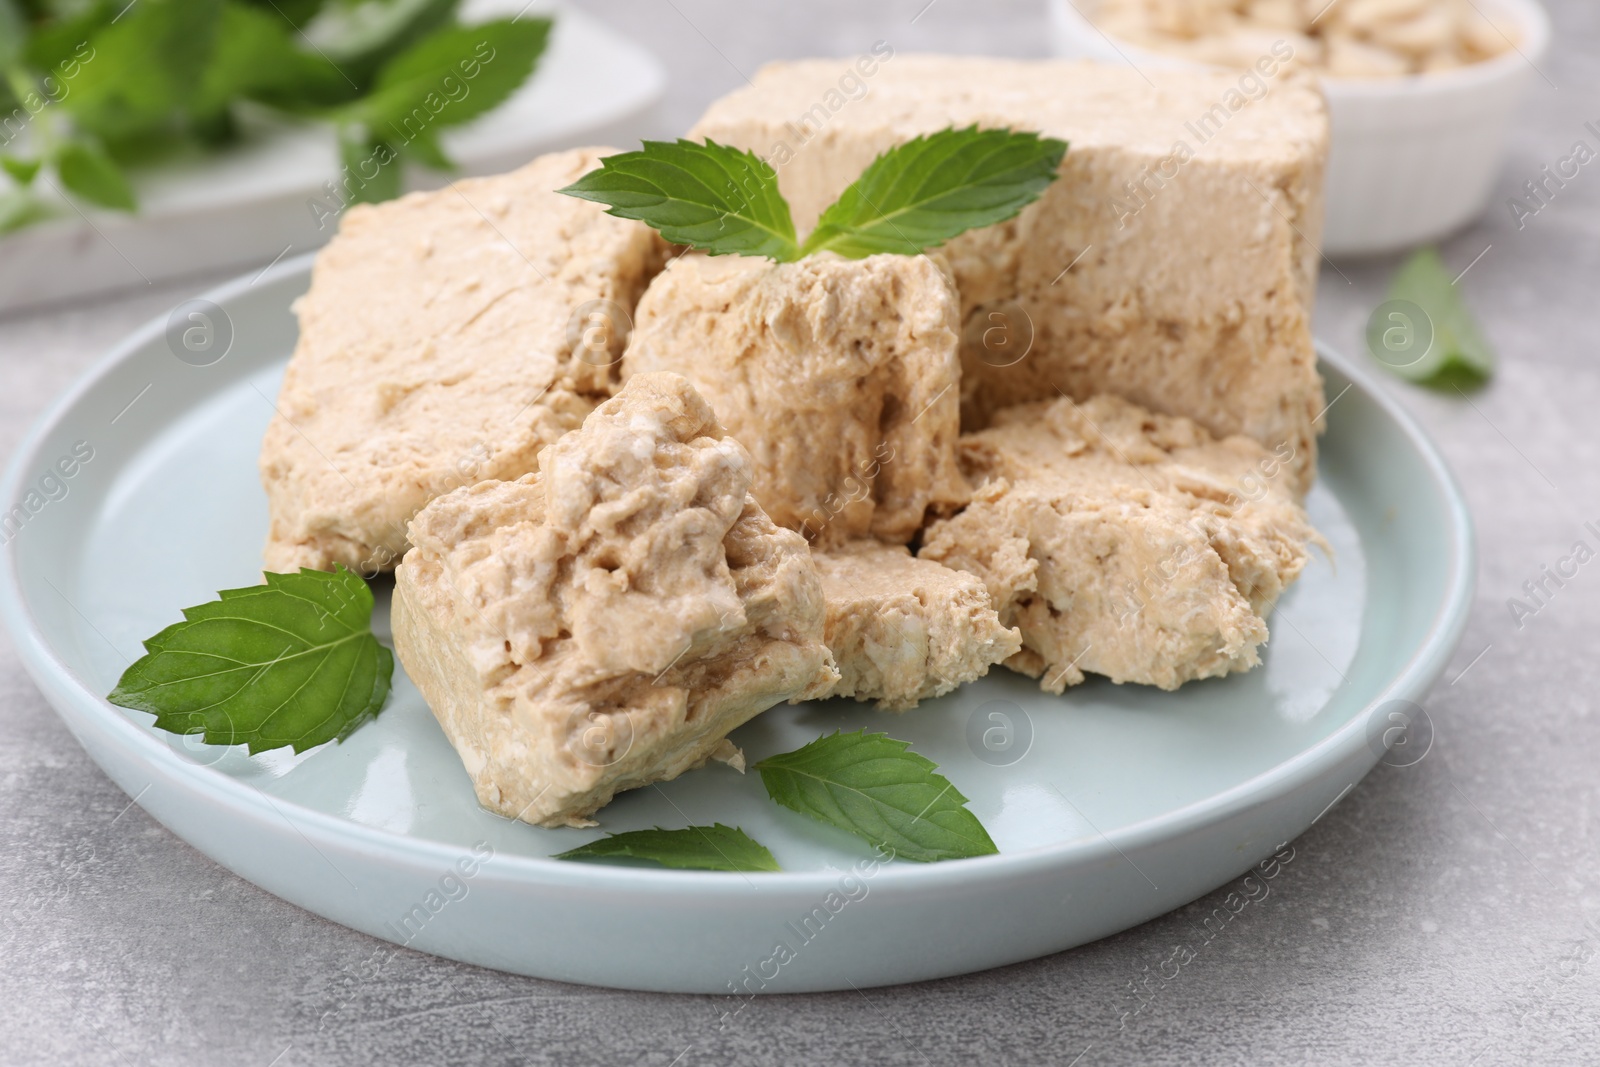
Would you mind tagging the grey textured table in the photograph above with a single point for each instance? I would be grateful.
(1443, 912)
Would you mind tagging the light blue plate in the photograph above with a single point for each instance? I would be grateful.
(1110, 805)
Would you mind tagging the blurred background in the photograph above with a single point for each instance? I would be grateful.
(1442, 912)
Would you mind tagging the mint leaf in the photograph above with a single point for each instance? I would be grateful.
(256, 56)
(296, 13)
(871, 786)
(91, 174)
(22, 171)
(1453, 351)
(425, 149)
(13, 33)
(922, 193)
(915, 196)
(59, 44)
(19, 208)
(373, 166)
(704, 848)
(360, 37)
(453, 76)
(145, 68)
(292, 662)
(710, 196)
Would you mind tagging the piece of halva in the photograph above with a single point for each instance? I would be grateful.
(1173, 262)
(446, 338)
(1125, 543)
(604, 623)
(840, 376)
(903, 629)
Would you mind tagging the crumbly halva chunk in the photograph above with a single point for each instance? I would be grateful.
(1125, 543)
(604, 623)
(840, 376)
(1174, 262)
(446, 338)
(903, 629)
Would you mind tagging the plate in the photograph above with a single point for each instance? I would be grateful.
(1110, 805)
(255, 202)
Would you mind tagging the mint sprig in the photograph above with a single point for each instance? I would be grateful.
(870, 785)
(710, 196)
(105, 87)
(292, 662)
(706, 848)
(915, 196)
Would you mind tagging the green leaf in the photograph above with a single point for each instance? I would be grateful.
(361, 37)
(1442, 347)
(452, 77)
(372, 169)
(22, 171)
(296, 13)
(19, 208)
(871, 786)
(256, 56)
(145, 69)
(704, 848)
(922, 193)
(13, 33)
(292, 662)
(425, 149)
(713, 197)
(88, 172)
(61, 44)
(214, 129)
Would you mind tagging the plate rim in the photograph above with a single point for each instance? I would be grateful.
(58, 682)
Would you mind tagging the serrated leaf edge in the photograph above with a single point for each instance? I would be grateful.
(340, 577)
(904, 748)
(787, 240)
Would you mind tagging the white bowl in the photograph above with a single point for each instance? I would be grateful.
(1412, 159)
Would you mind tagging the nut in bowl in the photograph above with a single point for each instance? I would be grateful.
(1420, 93)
